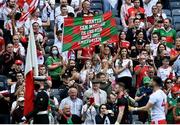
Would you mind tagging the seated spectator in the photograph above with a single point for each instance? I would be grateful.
(66, 117)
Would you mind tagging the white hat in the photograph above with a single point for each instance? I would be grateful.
(20, 99)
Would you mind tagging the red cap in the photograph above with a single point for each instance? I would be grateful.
(18, 62)
(174, 89)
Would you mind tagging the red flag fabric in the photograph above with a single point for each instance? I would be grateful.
(32, 6)
(31, 69)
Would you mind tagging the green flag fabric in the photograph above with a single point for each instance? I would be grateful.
(82, 32)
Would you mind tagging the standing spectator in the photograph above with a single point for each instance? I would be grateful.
(54, 63)
(165, 70)
(17, 114)
(176, 112)
(154, 17)
(142, 97)
(160, 10)
(72, 100)
(141, 70)
(9, 58)
(59, 19)
(100, 96)
(148, 4)
(136, 10)
(123, 43)
(122, 103)
(85, 9)
(110, 5)
(168, 84)
(89, 111)
(5, 111)
(58, 9)
(157, 103)
(174, 53)
(154, 43)
(123, 68)
(176, 67)
(124, 12)
(172, 102)
(168, 32)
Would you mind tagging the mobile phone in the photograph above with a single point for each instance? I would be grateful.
(91, 100)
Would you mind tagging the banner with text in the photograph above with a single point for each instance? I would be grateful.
(89, 31)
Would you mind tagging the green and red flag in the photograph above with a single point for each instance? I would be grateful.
(82, 32)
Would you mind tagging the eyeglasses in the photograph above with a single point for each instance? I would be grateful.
(169, 82)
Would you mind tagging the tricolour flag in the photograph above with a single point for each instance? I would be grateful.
(82, 32)
(31, 70)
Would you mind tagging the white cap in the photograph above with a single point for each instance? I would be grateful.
(20, 99)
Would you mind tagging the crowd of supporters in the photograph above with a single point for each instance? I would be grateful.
(97, 84)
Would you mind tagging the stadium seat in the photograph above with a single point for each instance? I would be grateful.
(178, 34)
(120, 27)
(50, 42)
(96, 6)
(175, 5)
(176, 19)
(3, 83)
(176, 12)
(170, 18)
(138, 122)
(50, 35)
(118, 20)
(115, 12)
(167, 12)
(47, 49)
(96, 1)
(177, 27)
(45, 57)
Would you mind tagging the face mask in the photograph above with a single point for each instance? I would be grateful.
(54, 52)
(178, 49)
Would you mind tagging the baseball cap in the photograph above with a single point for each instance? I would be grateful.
(146, 80)
(18, 62)
(96, 81)
(20, 99)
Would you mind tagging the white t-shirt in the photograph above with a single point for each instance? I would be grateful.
(148, 7)
(126, 72)
(159, 100)
(58, 10)
(154, 47)
(164, 73)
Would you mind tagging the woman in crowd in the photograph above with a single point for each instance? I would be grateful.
(104, 116)
(55, 64)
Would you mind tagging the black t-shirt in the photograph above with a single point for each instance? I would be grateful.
(123, 102)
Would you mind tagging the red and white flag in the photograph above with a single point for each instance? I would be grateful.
(30, 5)
(31, 70)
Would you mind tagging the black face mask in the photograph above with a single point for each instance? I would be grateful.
(178, 49)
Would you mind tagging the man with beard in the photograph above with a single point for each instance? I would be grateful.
(168, 32)
(66, 117)
(122, 104)
(157, 103)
